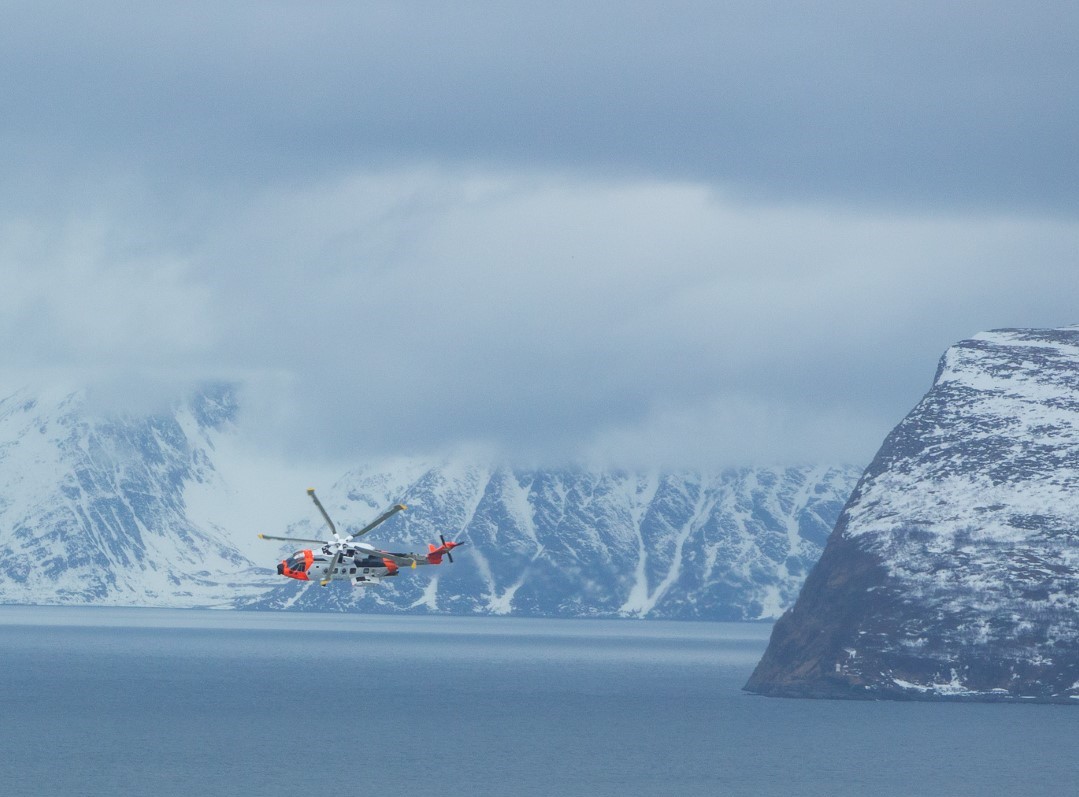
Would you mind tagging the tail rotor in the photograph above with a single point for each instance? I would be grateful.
(447, 547)
(434, 555)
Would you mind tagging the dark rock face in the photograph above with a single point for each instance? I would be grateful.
(953, 571)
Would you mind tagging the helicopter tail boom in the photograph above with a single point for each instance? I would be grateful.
(435, 554)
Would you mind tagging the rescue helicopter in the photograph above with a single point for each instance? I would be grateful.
(345, 559)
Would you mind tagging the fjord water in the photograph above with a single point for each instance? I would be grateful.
(163, 702)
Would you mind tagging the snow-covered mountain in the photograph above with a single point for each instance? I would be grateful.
(92, 508)
(134, 510)
(733, 545)
(954, 569)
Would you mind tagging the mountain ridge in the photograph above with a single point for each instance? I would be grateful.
(101, 509)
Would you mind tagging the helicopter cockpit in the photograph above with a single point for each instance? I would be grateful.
(296, 566)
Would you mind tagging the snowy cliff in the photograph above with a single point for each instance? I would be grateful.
(953, 571)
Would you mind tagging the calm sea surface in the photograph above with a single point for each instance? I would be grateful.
(160, 703)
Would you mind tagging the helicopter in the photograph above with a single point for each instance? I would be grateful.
(344, 559)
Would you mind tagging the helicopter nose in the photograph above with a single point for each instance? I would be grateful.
(280, 568)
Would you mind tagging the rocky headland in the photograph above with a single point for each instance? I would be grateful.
(953, 570)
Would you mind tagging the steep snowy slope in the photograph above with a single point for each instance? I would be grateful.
(954, 569)
(92, 508)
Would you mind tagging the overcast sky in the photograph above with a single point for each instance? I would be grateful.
(679, 234)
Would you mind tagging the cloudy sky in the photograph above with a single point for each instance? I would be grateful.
(681, 234)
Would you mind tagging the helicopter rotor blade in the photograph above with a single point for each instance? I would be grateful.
(448, 554)
(379, 520)
(329, 570)
(325, 515)
(292, 539)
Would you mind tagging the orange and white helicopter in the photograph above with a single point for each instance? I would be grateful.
(344, 559)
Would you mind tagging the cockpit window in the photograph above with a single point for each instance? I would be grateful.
(296, 562)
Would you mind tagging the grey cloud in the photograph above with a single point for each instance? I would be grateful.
(421, 309)
(410, 311)
(627, 231)
(956, 106)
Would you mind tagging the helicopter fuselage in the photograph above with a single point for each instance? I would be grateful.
(356, 566)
